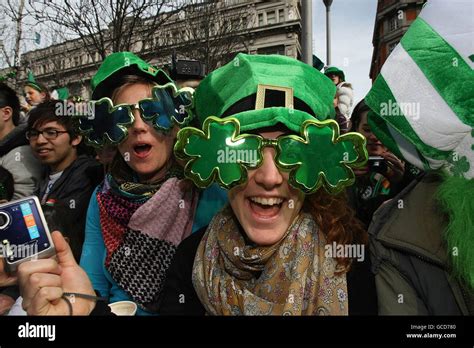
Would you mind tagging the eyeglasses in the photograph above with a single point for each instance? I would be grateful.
(48, 134)
(109, 123)
(317, 157)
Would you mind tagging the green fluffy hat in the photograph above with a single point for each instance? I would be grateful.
(118, 65)
(264, 90)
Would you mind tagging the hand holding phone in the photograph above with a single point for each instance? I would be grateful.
(24, 234)
(43, 283)
(396, 167)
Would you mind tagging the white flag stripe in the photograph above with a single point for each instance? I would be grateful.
(406, 148)
(434, 122)
(466, 148)
(456, 25)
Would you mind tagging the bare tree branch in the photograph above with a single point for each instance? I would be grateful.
(107, 27)
(214, 32)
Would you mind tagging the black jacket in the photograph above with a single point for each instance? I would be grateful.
(179, 297)
(71, 194)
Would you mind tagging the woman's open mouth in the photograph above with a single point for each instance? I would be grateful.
(142, 150)
(265, 207)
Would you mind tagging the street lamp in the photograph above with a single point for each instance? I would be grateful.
(328, 4)
(307, 31)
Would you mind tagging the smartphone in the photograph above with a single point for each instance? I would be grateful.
(377, 164)
(24, 234)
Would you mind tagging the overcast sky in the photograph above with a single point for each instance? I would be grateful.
(352, 27)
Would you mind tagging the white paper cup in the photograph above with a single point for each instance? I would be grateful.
(123, 308)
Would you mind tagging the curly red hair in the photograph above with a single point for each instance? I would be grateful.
(338, 222)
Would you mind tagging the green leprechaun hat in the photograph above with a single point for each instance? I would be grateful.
(263, 90)
(332, 70)
(118, 65)
(31, 82)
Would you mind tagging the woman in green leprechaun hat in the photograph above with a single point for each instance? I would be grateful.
(288, 244)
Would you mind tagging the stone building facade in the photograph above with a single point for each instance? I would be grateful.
(270, 27)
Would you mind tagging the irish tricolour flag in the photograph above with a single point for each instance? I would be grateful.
(423, 99)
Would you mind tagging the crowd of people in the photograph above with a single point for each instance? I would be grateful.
(313, 210)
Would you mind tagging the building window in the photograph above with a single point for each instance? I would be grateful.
(281, 15)
(260, 19)
(271, 19)
(76, 61)
(235, 23)
(394, 24)
(280, 49)
(392, 46)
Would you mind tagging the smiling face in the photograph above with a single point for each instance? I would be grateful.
(145, 150)
(266, 204)
(57, 153)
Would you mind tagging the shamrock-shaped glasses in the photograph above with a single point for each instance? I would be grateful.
(318, 157)
(108, 123)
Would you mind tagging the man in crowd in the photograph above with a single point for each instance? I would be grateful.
(15, 154)
(69, 177)
(17, 159)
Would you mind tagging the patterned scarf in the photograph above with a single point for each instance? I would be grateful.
(291, 277)
(142, 224)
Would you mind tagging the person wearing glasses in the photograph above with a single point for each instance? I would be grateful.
(145, 206)
(67, 183)
(288, 243)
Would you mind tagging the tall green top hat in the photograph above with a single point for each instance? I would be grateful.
(119, 64)
(261, 91)
(332, 70)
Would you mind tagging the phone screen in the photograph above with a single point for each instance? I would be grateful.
(22, 233)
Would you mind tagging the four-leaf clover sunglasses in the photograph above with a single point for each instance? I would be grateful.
(109, 123)
(317, 157)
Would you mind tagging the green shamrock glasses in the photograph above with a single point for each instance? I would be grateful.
(318, 157)
(109, 123)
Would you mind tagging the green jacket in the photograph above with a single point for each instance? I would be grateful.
(409, 256)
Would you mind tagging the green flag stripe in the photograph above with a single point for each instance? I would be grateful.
(446, 70)
(379, 127)
(381, 93)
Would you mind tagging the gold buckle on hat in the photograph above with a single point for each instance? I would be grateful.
(262, 90)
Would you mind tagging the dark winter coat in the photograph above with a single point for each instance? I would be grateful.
(409, 256)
